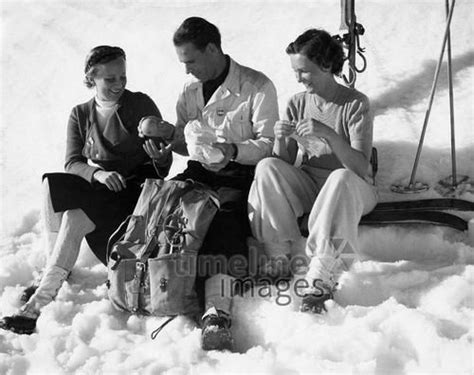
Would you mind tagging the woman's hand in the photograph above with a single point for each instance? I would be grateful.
(159, 154)
(350, 157)
(113, 180)
(312, 127)
(283, 129)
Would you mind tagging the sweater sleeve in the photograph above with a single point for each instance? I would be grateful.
(361, 126)
(76, 163)
(150, 108)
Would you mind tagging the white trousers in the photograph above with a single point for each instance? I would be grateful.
(281, 193)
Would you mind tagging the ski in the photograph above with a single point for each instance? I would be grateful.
(425, 211)
(442, 204)
(389, 217)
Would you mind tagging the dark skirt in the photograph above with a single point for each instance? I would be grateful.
(107, 209)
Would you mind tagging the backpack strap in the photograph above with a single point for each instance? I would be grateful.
(116, 236)
(158, 330)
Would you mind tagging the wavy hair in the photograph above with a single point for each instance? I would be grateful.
(321, 48)
(99, 55)
(198, 31)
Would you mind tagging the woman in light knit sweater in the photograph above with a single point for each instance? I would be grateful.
(327, 129)
(106, 162)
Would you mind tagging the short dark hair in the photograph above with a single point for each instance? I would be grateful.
(321, 48)
(100, 55)
(198, 31)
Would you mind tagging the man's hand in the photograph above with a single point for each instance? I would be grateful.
(228, 150)
(160, 154)
(113, 180)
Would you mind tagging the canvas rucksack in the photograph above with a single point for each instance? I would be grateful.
(152, 255)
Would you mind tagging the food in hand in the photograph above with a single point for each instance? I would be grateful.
(155, 128)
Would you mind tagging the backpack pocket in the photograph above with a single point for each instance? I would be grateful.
(172, 279)
(124, 286)
(128, 285)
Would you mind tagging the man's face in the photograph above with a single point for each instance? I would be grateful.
(199, 63)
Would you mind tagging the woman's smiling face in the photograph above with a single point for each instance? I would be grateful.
(308, 73)
(110, 80)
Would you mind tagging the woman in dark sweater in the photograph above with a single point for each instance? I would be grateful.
(105, 165)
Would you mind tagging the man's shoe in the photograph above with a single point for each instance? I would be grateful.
(19, 324)
(216, 333)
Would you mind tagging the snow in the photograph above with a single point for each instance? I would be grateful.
(405, 308)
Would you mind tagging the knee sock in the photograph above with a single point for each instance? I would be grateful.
(219, 292)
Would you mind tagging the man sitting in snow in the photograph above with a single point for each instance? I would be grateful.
(233, 110)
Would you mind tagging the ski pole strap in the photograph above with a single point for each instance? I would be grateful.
(351, 41)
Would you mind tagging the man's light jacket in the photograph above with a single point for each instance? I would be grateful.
(243, 110)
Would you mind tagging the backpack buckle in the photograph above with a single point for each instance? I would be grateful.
(139, 272)
(163, 284)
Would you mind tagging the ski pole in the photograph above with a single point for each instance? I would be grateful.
(433, 90)
(451, 106)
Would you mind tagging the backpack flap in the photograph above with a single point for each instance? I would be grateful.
(172, 278)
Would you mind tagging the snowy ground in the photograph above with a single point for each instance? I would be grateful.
(406, 309)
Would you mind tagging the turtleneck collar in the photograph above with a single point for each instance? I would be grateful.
(105, 103)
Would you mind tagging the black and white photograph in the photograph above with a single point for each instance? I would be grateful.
(237, 187)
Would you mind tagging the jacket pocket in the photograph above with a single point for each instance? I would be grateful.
(236, 125)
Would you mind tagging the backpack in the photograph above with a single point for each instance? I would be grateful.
(152, 255)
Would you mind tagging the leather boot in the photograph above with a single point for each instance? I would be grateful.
(24, 322)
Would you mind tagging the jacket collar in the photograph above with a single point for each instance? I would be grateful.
(231, 83)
